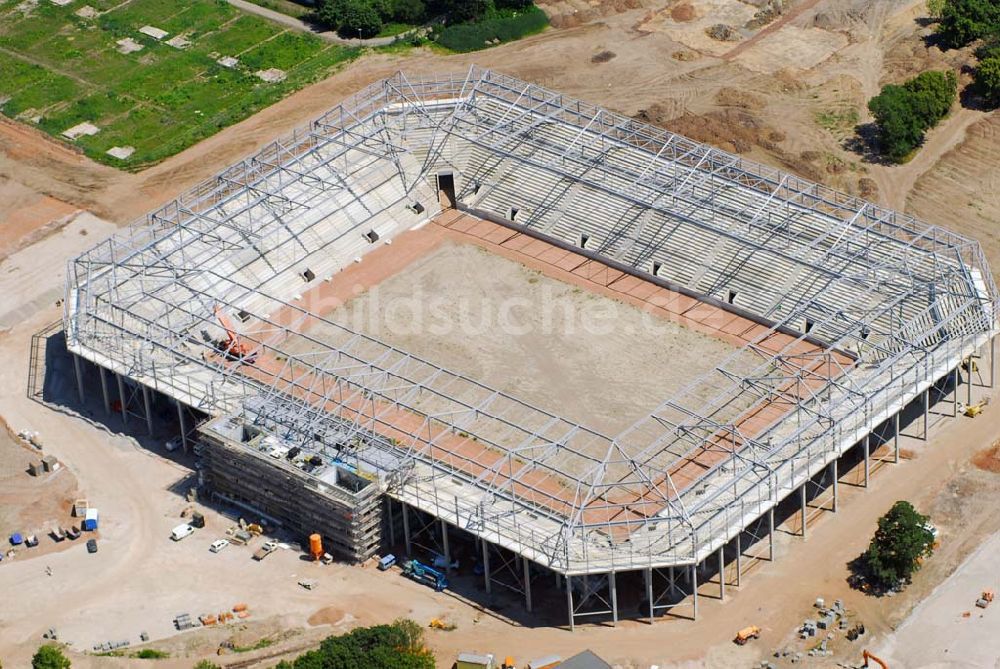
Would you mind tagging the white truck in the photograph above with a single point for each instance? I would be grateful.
(269, 547)
(181, 531)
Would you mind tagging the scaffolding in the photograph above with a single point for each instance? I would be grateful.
(860, 311)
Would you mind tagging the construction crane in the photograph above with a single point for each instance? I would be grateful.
(232, 345)
(880, 662)
(421, 573)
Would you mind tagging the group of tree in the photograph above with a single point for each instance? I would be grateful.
(963, 22)
(365, 18)
(901, 542)
(396, 646)
(903, 113)
(49, 657)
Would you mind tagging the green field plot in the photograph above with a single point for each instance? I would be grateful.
(59, 69)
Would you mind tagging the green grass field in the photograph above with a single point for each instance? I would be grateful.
(58, 70)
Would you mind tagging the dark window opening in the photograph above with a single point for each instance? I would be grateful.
(512, 215)
(417, 208)
(475, 187)
(308, 275)
(446, 190)
(731, 298)
(809, 326)
(371, 236)
(243, 315)
(656, 267)
(583, 241)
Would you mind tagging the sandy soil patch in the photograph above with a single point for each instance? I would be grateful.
(590, 358)
(693, 18)
(792, 47)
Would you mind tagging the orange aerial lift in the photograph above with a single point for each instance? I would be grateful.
(868, 656)
(232, 345)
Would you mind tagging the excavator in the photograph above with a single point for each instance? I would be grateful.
(232, 345)
(868, 656)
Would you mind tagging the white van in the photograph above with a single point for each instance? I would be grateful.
(181, 531)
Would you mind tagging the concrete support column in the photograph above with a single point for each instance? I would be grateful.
(78, 371)
(406, 529)
(148, 410)
(486, 566)
(895, 441)
(836, 476)
(694, 588)
(444, 546)
(122, 399)
(648, 576)
(868, 464)
(968, 386)
(104, 390)
(184, 432)
(802, 503)
(671, 579)
(993, 352)
(770, 535)
(613, 586)
(722, 574)
(569, 601)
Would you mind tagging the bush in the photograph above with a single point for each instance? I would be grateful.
(987, 76)
(964, 21)
(474, 36)
(901, 541)
(205, 664)
(49, 657)
(395, 646)
(904, 113)
(152, 654)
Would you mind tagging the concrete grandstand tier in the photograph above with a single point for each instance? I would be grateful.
(846, 310)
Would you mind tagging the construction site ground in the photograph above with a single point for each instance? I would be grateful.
(801, 118)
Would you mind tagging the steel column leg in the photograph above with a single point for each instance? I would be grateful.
(104, 390)
(868, 466)
(78, 371)
(392, 521)
(122, 399)
(770, 535)
(694, 588)
(486, 566)
(722, 574)
(569, 601)
(148, 410)
(954, 394)
(444, 546)
(613, 585)
(968, 386)
(739, 558)
(406, 530)
(802, 497)
(648, 574)
(927, 409)
(180, 419)
(527, 584)
(993, 356)
(895, 440)
(836, 476)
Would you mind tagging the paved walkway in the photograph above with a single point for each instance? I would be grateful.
(299, 24)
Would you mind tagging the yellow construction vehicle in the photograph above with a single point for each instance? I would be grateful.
(868, 656)
(970, 365)
(973, 410)
(745, 634)
(439, 624)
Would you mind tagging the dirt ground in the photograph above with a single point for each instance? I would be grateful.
(800, 117)
(590, 358)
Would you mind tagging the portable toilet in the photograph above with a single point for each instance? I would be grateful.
(90, 520)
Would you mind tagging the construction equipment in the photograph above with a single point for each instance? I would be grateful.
(745, 634)
(868, 656)
(973, 410)
(985, 599)
(232, 345)
(439, 624)
(970, 365)
(316, 546)
(422, 573)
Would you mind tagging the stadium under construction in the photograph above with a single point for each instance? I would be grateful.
(842, 316)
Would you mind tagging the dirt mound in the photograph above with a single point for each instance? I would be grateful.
(988, 459)
(732, 97)
(723, 33)
(603, 57)
(329, 615)
(734, 130)
(682, 13)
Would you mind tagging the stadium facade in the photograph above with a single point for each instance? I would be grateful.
(858, 312)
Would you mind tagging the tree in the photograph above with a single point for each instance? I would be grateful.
(899, 129)
(49, 657)
(902, 539)
(988, 79)
(964, 21)
(462, 11)
(358, 18)
(409, 11)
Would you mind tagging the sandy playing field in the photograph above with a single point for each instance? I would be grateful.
(590, 358)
